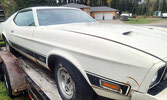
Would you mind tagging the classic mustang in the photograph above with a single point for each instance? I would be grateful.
(87, 58)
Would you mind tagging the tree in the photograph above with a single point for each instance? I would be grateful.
(29, 3)
(109, 3)
(59, 2)
(115, 4)
(10, 7)
(157, 5)
(164, 6)
(64, 1)
(88, 3)
(69, 1)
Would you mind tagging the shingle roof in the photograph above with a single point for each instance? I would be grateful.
(74, 5)
(102, 8)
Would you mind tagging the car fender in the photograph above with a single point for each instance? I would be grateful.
(69, 58)
(3, 35)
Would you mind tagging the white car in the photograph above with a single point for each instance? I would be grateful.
(114, 61)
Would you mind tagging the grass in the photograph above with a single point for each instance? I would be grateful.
(1, 42)
(4, 96)
(142, 20)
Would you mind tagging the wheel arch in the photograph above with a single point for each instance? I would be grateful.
(4, 37)
(55, 56)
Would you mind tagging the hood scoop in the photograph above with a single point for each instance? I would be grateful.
(127, 33)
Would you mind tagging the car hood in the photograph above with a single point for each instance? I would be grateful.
(145, 39)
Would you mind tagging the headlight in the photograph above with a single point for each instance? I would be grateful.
(158, 76)
(154, 79)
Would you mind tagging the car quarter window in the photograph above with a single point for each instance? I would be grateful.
(24, 18)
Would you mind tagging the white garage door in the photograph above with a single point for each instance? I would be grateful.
(99, 16)
(108, 16)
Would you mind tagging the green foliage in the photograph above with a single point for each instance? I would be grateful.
(30, 3)
(142, 20)
(156, 5)
(164, 6)
(9, 6)
(4, 96)
(132, 6)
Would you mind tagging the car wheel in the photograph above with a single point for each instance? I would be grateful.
(6, 81)
(1, 73)
(71, 84)
(9, 48)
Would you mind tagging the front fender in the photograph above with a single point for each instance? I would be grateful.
(71, 59)
(4, 36)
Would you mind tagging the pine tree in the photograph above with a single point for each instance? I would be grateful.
(115, 4)
(164, 6)
(156, 5)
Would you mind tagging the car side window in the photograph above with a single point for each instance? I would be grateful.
(24, 18)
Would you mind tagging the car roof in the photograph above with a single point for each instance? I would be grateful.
(48, 7)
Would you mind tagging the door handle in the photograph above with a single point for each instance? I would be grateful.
(12, 31)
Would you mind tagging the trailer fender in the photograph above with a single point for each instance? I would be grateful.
(14, 71)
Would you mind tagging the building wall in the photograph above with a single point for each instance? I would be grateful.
(103, 12)
(87, 10)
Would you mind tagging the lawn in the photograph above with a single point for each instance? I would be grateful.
(4, 96)
(1, 42)
(142, 20)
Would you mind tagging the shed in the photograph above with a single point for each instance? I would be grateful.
(103, 13)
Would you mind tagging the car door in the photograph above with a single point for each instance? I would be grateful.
(22, 32)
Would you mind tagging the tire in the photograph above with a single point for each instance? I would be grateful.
(9, 48)
(1, 73)
(71, 84)
(7, 81)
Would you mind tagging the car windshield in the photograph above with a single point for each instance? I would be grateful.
(62, 16)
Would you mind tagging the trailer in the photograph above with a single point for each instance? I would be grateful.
(22, 75)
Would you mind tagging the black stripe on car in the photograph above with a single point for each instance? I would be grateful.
(31, 53)
(96, 80)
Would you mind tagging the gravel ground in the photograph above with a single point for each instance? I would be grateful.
(117, 21)
(162, 23)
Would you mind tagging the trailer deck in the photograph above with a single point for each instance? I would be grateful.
(43, 81)
(25, 75)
